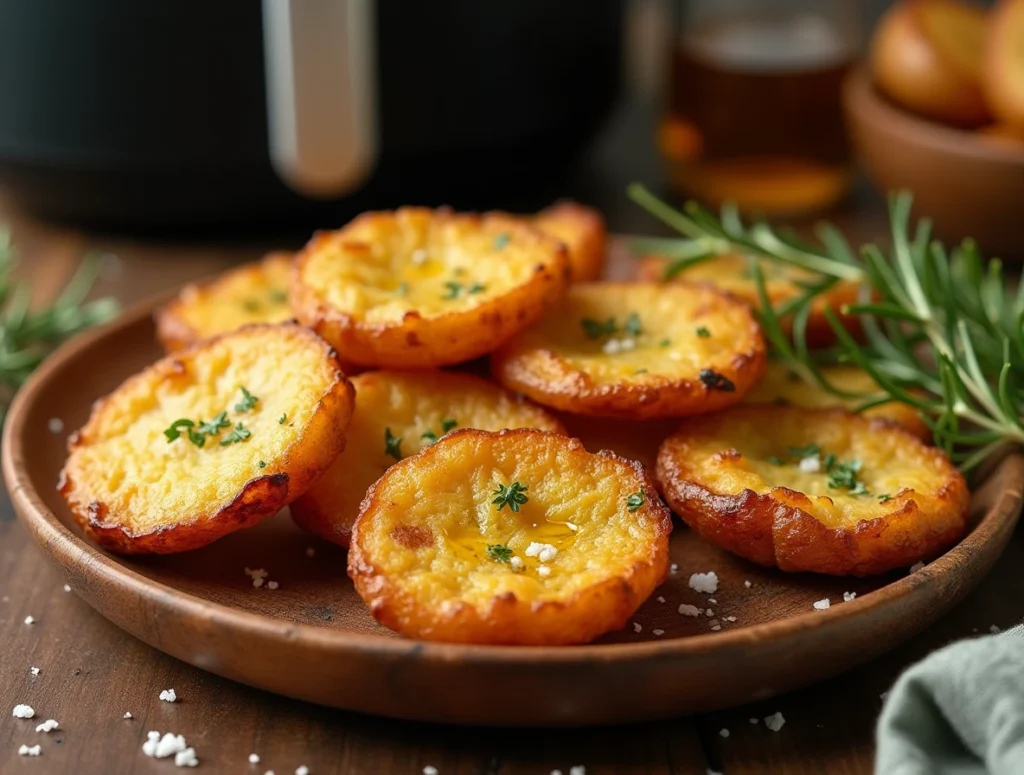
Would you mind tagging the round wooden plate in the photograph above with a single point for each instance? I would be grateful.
(313, 639)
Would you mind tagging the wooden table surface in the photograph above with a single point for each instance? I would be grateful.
(91, 673)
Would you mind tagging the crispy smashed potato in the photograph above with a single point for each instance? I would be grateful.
(252, 293)
(782, 283)
(519, 537)
(813, 490)
(419, 288)
(782, 386)
(637, 350)
(208, 440)
(398, 414)
(582, 230)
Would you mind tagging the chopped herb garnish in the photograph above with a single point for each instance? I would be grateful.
(501, 241)
(775, 460)
(448, 423)
(843, 476)
(884, 497)
(715, 381)
(633, 326)
(186, 425)
(453, 290)
(278, 296)
(513, 496)
(429, 436)
(248, 401)
(215, 426)
(240, 433)
(476, 288)
(703, 332)
(402, 289)
(392, 445)
(595, 329)
(262, 464)
(281, 420)
(811, 450)
(829, 461)
(664, 343)
(859, 489)
(635, 501)
(252, 305)
(499, 553)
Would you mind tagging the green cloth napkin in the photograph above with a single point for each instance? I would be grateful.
(958, 712)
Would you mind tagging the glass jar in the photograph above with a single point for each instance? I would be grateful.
(754, 110)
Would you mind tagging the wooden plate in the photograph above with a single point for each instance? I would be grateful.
(313, 639)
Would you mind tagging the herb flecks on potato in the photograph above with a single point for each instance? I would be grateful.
(398, 414)
(519, 537)
(193, 447)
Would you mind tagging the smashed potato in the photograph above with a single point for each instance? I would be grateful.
(398, 414)
(636, 350)
(252, 293)
(419, 288)
(732, 274)
(782, 386)
(208, 440)
(813, 490)
(519, 537)
(581, 229)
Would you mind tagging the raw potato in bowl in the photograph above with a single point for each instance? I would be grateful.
(519, 537)
(636, 350)
(208, 440)
(398, 414)
(252, 293)
(823, 491)
(731, 274)
(419, 288)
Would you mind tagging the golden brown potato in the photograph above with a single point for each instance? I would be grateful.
(636, 350)
(1003, 67)
(926, 55)
(781, 386)
(208, 440)
(813, 490)
(581, 229)
(519, 537)
(731, 274)
(398, 414)
(252, 293)
(419, 288)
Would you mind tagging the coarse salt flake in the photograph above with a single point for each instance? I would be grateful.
(272, 585)
(23, 711)
(47, 726)
(34, 670)
(30, 750)
(543, 552)
(613, 345)
(673, 568)
(709, 612)
(810, 464)
(543, 571)
(186, 758)
(730, 618)
(579, 769)
(637, 627)
(774, 722)
(752, 721)
(747, 584)
(705, 583)
(821, 605)
(254, 758)
(127, 714)
(67, 587)
(661, 599)
(916, 567)
(712, 601)
(516, 563)
(30, 620)
(689, 610)
(55, 424)
(429, 770)
(658, 633)
(849, 596)
(723, 732)
(168, 695)
(302, 769)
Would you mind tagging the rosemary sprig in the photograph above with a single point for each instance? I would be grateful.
(943, 331)
(27, 336)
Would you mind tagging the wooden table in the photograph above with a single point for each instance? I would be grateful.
(91, 673)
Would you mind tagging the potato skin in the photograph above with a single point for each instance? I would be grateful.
(780, 386)
(152, 523)
(417, 334)
(603, 600)
(776, 526)
(583, 232)
(728, 274)
(217, 306)
(400, 402)
(551, 363)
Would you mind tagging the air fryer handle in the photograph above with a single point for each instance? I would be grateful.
(321, 88)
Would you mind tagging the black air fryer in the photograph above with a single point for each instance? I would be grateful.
(204, 112)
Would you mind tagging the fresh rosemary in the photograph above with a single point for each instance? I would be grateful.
(944, 332)
(27, 336)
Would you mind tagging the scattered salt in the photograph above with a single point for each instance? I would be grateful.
(67, 587)
(673, 568)
(55, 425)
(23, 711)
(579, 769)
(186, 758)
(254, 758)
(516, 563)
(34, 670)
(30, 750)
(774, 722)
(747, 584)
(821, 605)
(661, 599)
(752, 721)
(48, 726)
(723, 732)
(302, 769)
(689, 610)
(705, 583)
(658, 633)
(543, 571)
(849, 596)
(272, 585)
(30, 620)
(127, 714)
(810, 464)
(168, 695)
(637, 627)
(994, 629)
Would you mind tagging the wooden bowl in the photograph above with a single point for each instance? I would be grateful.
(313, 638)
(970, 184)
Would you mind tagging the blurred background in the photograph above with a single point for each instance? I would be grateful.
(235, 117)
